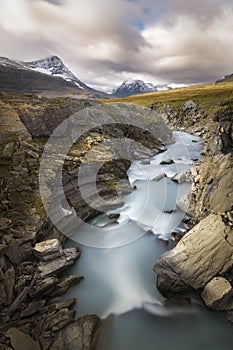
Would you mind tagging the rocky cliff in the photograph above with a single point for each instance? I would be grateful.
(32, 256)
(203, 258)
(30, 265)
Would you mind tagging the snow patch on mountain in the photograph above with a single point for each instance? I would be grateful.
(53, 65)
(132, 87)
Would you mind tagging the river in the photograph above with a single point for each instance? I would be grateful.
(120, 285)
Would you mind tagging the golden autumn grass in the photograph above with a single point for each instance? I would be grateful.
(209, 97)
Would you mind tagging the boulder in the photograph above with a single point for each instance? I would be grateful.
(80, 335)
(64, 284)
(62, 305)
(32, 308)
(189, 105)
(183, 202)
(19, 250)
(48, 250)
(167, 161)
(218, 293)
(59, 264)
(59, 320)
(21, 341)
(42, 287)
(203, 253)
(182, 177)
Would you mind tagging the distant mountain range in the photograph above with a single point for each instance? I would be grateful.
(48, 77)
(133, 87)
(51, 78)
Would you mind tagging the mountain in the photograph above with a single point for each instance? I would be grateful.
(133, 87)
(225, 78)
(49, 77)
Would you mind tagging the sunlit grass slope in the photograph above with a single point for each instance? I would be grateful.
(209, 97)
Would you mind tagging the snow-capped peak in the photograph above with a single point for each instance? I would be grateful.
(136, 86)
(53, 65)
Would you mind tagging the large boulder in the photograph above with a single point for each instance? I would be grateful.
(80, 335)
(203, 253)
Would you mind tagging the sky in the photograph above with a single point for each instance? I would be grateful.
(105, 42)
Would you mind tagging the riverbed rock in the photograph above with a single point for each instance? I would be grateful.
(203, 253)
(182, 177)
(18, 300)
(64, 284)
(21, 341)
(183, 202)
(218, 293)
(9, 282)
(43, 286)
(59, 264)
(33, 308)
(48, 250)
(56, 321)
(80, 335)
(19, 250)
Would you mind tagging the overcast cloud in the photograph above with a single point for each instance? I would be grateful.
(107, 41)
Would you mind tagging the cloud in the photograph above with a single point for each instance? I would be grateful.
(107, 41)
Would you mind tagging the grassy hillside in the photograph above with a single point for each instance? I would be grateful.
(209, 97)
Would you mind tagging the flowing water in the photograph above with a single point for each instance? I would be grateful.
(118, 257)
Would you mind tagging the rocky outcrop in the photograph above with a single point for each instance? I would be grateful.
(212, 185)
(202, 260)
(30, 265)
(28, 315)
(30, 116)
(32, 257)
(204, 252)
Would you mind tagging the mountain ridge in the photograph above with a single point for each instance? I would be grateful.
(49, 77)
(136, 86)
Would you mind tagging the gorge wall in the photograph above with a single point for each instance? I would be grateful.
(32, 257)
(203, 258)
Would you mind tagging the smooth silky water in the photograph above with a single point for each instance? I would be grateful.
(117, 262)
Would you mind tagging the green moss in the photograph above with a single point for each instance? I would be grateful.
(40, 209)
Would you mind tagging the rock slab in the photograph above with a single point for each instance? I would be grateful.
(80, 335)
(217, 294)
(203, 253)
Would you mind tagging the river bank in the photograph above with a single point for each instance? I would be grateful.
(28, 314)
(202, 259)
(33, 313)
